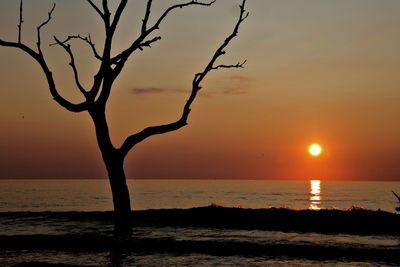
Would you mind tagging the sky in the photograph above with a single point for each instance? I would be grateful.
(322, 72)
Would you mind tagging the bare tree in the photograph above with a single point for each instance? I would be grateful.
(110, 67)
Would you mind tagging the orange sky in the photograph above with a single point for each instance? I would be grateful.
(317, 71)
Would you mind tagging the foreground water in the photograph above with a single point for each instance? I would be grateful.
(28, 199)
(130, 259)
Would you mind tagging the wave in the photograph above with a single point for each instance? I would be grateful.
(353, 221)
(98, 243)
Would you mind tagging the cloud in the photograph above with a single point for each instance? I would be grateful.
(236, 85)
(156, 90)
(235, 91)
(240, 78)
(150, 90)
(229, 85)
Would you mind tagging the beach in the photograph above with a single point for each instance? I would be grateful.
(202, 236)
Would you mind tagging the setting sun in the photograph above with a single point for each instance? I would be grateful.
(315, 150)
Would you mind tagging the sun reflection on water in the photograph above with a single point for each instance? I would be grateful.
(315, 194)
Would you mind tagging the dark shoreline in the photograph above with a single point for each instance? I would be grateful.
(329, 221)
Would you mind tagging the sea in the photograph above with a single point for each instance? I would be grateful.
(26, 208)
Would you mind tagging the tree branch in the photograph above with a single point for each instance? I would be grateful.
(38, 56)
(220, 51)
(106, 17)
(149, 42)
(146, 16)
(96, 8)
(164, 15)
(20, 22)
(98, 78)
(137, 44)
(49, 76)
(120, 60)
(67, 48)
(87, 40)
(42, 25)
(103, 80)
(398, 197)
(134, 139)
(223, 66)
(118, 14)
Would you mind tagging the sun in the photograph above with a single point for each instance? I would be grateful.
(315, 150)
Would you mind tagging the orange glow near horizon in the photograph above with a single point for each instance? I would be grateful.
(316, 101)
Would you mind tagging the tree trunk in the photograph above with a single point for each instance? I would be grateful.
(121, 199)
(114, 162)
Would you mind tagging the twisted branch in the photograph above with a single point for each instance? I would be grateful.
(44, 23)
(223, 66)
(86, 39)
(138, 43)
(106, 74)
(39, 58)
(136, 138)
(67, 48)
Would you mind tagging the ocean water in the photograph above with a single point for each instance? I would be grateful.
(27, 206)
(95, 195)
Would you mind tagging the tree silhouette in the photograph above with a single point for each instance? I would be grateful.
(110, 67)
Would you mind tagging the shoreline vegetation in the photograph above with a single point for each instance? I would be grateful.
(353, 221)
